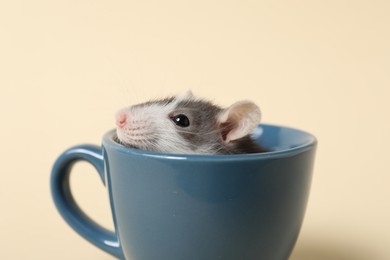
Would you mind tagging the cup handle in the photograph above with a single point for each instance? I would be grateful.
(67, 206)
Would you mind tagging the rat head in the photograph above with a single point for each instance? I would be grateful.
(185, 124)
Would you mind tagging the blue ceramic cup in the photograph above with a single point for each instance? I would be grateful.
(195, 207)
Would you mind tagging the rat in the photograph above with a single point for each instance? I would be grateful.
(185, 124)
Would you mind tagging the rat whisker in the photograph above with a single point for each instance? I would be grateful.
(212, 132)
(186, 124)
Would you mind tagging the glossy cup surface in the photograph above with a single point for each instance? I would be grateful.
(247, 206)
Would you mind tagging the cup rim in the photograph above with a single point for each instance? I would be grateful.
(109, 142)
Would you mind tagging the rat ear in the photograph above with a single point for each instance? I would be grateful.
(238, 120)
(186, 95)
(189, 93)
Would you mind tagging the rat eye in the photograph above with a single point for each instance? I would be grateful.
(181, 120)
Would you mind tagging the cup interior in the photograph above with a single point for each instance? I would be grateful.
(278, 138)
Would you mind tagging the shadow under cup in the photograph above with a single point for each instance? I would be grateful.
(199, 207)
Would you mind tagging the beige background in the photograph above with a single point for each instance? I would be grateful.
(322, 66)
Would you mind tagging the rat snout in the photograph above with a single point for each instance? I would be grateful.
(121, 119)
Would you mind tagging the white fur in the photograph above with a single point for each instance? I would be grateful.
(149, 127)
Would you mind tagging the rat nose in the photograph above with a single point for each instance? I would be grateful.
(121, 119)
